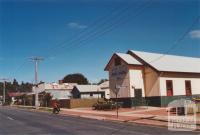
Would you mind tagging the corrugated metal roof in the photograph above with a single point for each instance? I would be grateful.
(87, 88)
(59, 94)
(128, 59)
(16, 94)
(104, 84)
(66, 86)
(170, 63)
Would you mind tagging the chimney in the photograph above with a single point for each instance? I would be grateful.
(60, 81)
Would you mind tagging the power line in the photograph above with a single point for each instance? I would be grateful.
(97, 30)
(83, 31)
(18, 69)
(108, 28)
(175, 44)
(97, 35)
(98, 23)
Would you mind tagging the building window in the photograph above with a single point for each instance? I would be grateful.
(169, 85)
(91, 94)
(117, 61)
(188, 88)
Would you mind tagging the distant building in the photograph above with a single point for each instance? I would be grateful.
(105, 87)
(16, 97)
(158, 78)
(87, 91)
(1, 99)
(57, 90)
(16, 94)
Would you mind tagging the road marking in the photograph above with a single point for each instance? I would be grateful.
(10, 118)
(6, 116)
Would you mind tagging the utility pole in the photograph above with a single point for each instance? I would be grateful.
(98, 94)
(4, 89)
(36, 61)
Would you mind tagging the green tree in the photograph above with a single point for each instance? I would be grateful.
(75, 78)
(102, 81)
(25, 87)
(15, 85)
(15, 82)
(46, 99)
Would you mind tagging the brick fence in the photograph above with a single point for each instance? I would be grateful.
(77, 103)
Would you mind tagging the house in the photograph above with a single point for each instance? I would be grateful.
(157, 78)
(1, 97)
(105, 87)
(57, 90)
(16, 97)
(87, 91)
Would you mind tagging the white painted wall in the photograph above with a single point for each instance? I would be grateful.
(179, 85)
(107, 92)
(136, 81)
(87, 96)
(58, 91)
(105, 87)
(195, 84)
(39, 89)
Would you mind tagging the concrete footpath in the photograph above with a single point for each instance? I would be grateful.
(153, 116)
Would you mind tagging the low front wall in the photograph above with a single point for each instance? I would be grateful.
(163, 101)
(157, 101)
(166, 100)
(154, 101)
(78, 103)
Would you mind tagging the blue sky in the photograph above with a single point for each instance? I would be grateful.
(81, 35)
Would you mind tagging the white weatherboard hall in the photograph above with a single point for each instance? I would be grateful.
(156, 78)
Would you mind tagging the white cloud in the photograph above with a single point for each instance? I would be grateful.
(195, 34)
(75, 25)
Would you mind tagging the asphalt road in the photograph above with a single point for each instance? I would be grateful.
(23, 122)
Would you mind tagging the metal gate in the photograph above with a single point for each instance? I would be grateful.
(138, 97)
